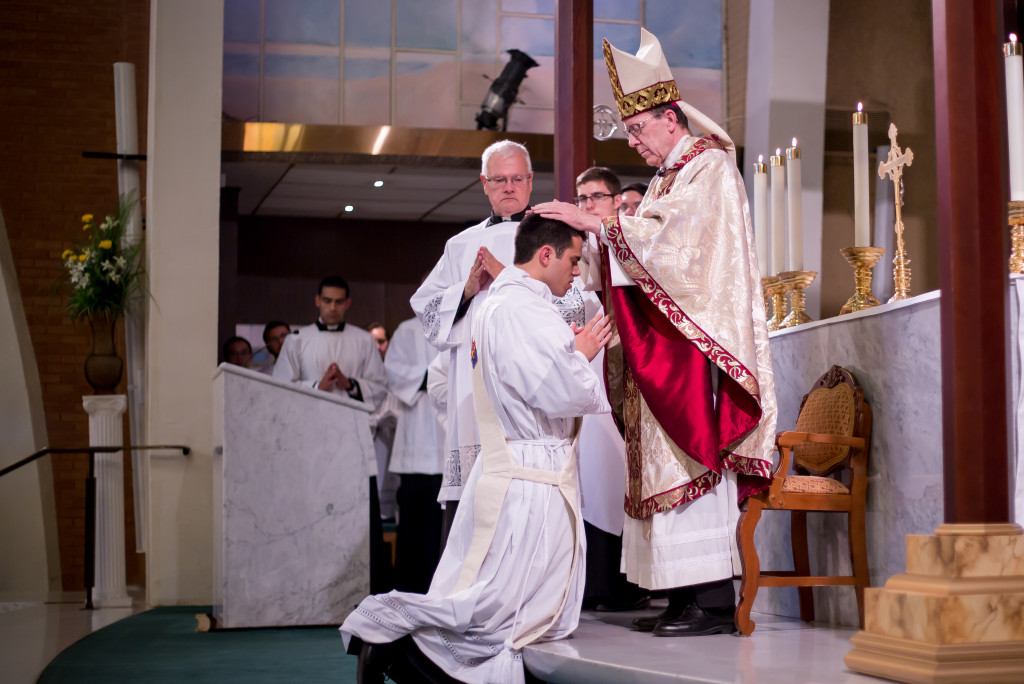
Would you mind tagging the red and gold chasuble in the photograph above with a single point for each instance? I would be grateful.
(697, 301)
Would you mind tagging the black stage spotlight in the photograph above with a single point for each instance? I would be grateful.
(503, 92)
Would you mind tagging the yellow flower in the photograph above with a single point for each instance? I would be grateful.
(106, 244)
(86, 218)
(66, 253)
(81, 257)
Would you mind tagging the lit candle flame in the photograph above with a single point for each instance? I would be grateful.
(1013, 37)
(760, 159)
(860, 106)
(778, 151)
(794, 142)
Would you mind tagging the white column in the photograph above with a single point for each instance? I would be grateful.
(106, 428)
(186, 48)
(134, 317)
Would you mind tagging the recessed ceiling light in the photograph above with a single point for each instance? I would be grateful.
(377, 184)
(349, 207)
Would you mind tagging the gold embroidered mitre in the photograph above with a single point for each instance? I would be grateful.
(644, 81)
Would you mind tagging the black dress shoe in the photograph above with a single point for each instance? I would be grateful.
(647, 624)
(695, 621)
(374, 662)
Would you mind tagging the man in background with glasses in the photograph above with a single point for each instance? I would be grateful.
(632, 195)
(698, 393)
(602, 451)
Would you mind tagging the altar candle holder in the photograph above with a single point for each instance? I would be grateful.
(772, 288)
(795, 282)
(1016, 220)
(863, 259)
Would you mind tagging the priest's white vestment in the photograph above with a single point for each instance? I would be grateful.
(436, 304)
(306, 356)
(419, 437)
(513, 569)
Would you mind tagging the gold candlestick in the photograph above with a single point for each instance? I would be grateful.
(863, 259)
(1016, 220)
(795, 282)
(772, 287)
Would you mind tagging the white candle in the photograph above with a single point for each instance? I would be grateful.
(778, 206)
(761, 214)
(861, 205)
(1015, 116)
(794, 203)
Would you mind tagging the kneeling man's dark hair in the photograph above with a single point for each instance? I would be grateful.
(536, 231)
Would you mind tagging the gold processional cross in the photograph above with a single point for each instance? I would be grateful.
(893, 168)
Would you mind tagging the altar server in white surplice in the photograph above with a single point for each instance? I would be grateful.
(512, 572)
(447, 301)
(332, 356)
(417, 457)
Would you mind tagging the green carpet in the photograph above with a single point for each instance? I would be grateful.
(162, 645)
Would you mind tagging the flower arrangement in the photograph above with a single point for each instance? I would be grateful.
(100, 276)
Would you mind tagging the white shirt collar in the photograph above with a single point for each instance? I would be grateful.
(513, 275)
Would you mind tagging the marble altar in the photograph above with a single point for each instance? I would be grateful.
(894, 351)
(291, 502)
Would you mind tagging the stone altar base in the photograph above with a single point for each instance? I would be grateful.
(956, 615)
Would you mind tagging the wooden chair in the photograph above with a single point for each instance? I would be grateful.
(832, 437)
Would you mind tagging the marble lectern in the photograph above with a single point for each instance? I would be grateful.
(291, 502)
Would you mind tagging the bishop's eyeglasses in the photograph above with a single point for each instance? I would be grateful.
(500, 181)
(634, 129)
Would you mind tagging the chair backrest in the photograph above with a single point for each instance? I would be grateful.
(835, 405)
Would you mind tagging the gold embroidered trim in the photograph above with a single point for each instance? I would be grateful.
(641, 100)
(668, 308)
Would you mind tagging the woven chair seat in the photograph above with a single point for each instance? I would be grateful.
(809, 484)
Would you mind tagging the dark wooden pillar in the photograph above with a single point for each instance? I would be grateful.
(574, 93)
(971, 158)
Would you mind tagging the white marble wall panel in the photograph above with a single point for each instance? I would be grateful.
(293, 521)
(894, 353)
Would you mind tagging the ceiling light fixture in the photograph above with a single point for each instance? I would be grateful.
(377, 184)
(349, 207)
(503, 92)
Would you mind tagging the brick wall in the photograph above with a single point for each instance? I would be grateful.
(56, 67)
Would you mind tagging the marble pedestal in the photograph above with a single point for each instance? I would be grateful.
(291, 502)
(954, 616)
(106, 428)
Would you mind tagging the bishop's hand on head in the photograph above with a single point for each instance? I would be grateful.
(570, 214)
(593, 336)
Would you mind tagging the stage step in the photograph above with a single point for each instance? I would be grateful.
(781, 651)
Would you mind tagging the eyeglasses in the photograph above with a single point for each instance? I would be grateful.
(634, 129)
(499, 181)
(580, 200)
